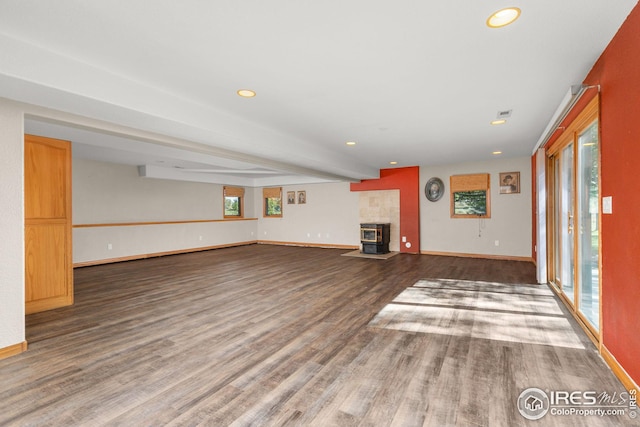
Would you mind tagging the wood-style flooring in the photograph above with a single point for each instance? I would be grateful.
(283, 336)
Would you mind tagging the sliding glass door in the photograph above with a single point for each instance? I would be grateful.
(575, 218)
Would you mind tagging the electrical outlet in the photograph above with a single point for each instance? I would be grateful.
(109, 246)
(497, 242)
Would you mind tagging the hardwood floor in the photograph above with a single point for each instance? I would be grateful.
(273, 335)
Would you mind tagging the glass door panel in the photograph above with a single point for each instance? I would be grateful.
(588, 233)
(556, 267)
(566, 222)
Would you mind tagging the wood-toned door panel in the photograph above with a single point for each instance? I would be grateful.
(45, 182)
(43, 243)
(48, 263)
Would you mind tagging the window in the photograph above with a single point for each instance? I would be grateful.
(272, 198)
(470, 202)
(233, 202)
(470, 196)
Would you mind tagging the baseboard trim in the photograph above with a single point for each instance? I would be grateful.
(159, 254)
(308, 245)
(482, 256)
(618, 370)
(45, 304)
(283, 243)
(13, 350)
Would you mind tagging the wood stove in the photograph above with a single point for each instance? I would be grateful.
(375, 238)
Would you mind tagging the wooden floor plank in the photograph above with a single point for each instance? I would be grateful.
(281, 336)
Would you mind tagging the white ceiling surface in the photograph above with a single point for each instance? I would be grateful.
(416, 82)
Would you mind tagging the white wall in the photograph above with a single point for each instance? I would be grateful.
(330, 216)
(92, 244)
(108, 192)
(12, 329)
(105, 193)
(510, 222)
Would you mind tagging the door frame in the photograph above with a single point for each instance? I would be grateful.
(585, 118)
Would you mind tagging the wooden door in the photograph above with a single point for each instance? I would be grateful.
(48, 256)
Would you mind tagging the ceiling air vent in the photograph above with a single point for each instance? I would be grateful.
(504, 114)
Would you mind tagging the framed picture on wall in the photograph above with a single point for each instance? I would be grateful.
(302, 197)
(291, 197)
(434, 189)
(509, 182)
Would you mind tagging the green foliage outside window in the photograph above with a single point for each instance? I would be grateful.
(470, 202)
(273, 206)
(232, 206)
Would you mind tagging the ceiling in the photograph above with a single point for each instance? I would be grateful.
(153, 82)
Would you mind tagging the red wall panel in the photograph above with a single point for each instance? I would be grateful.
(617, 71)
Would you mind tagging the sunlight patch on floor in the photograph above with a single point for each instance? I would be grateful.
(494, 311)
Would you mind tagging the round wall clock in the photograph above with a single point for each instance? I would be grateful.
(434, 189)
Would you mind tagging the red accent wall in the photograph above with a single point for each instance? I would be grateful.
(617, 71)
(407, 180)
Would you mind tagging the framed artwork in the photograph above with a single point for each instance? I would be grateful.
(302, 197)
(509, 182)
(434, 189)
(291, 197)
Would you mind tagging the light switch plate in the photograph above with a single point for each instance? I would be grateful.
(607, 205)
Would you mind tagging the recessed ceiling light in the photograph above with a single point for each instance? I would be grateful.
(499, 122)
(503, 17)
(246, 93)
(495, 153)
(351, 143)
(393, 163)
